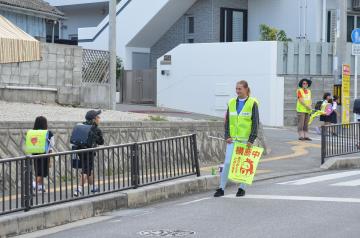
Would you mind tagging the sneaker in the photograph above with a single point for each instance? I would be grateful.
(308, 139)
(77, 192)
(240, 192)
(301, 138)
(41, 188)
(95, 190)
(219, 192)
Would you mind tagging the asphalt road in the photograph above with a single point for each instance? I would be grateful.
(323, 204)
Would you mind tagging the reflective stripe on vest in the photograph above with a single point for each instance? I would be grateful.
(307, 101)
(240, 124)
(36, 142)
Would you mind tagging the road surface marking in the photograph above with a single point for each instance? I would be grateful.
(351, 183)
(297, 198)
(194, 201)
(299, 149)
(274, 128)
(322, 178)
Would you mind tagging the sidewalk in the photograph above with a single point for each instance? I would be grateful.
(164, 112)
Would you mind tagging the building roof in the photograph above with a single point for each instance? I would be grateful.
(35, 5)
(16, 45)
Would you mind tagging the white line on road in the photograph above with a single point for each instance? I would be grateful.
(194, 201)
(114, 221)
(144, 213)
(297, 198)
(351, 183)
(275, 128)
(322, 178)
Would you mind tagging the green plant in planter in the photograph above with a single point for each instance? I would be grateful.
(268, 33)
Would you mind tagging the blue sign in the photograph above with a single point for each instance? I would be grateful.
(355, 36)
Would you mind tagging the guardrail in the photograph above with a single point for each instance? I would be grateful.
(112, 168)
(342, 139)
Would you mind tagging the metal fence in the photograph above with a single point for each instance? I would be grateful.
(113, 168)
(95, 66)
(339, 140)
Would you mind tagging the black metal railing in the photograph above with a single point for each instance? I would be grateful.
(112, 168)
(342, 139)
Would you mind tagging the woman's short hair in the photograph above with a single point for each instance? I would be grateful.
(326, 95)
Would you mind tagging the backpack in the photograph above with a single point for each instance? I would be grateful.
(36, 142)
(81, 136)
(318, 105)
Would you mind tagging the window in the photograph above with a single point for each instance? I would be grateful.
(350, 27)
(353, 21)
(191, 25)
(190, 40)
(233, 25)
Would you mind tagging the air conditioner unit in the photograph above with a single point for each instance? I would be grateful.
(356, 4)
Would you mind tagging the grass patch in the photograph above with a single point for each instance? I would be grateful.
(157, 118)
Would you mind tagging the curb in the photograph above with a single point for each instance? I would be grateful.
(342, 163)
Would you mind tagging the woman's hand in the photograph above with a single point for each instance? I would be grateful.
(249, 145)
(229, 140)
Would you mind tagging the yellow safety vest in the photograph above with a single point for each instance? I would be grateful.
(240, 124)
(307, 101)
(36, 142)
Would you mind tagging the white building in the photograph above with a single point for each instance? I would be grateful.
(80, 14)
(148, 29)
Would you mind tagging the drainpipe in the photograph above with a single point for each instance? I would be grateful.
(112, 50)
(300, 13)
(53, 32)
(323, 21)
(305, 19)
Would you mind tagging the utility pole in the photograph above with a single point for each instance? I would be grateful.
(340, 40)
(112, 50)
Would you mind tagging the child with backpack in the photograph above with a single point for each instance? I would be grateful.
(86, 135)
(323, 109)
(39, 141)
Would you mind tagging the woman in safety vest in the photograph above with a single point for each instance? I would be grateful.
(241, 124)
(303, 108)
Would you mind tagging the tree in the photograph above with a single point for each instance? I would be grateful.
(268, 33)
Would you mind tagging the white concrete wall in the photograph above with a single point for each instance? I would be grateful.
(288, 15)
(137, 28)
(202, 78)
(131, 25)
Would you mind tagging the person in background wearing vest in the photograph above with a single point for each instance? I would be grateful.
(241, 124)
(41, 165)
(303, 108)
(92, 118)
(326, 107)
